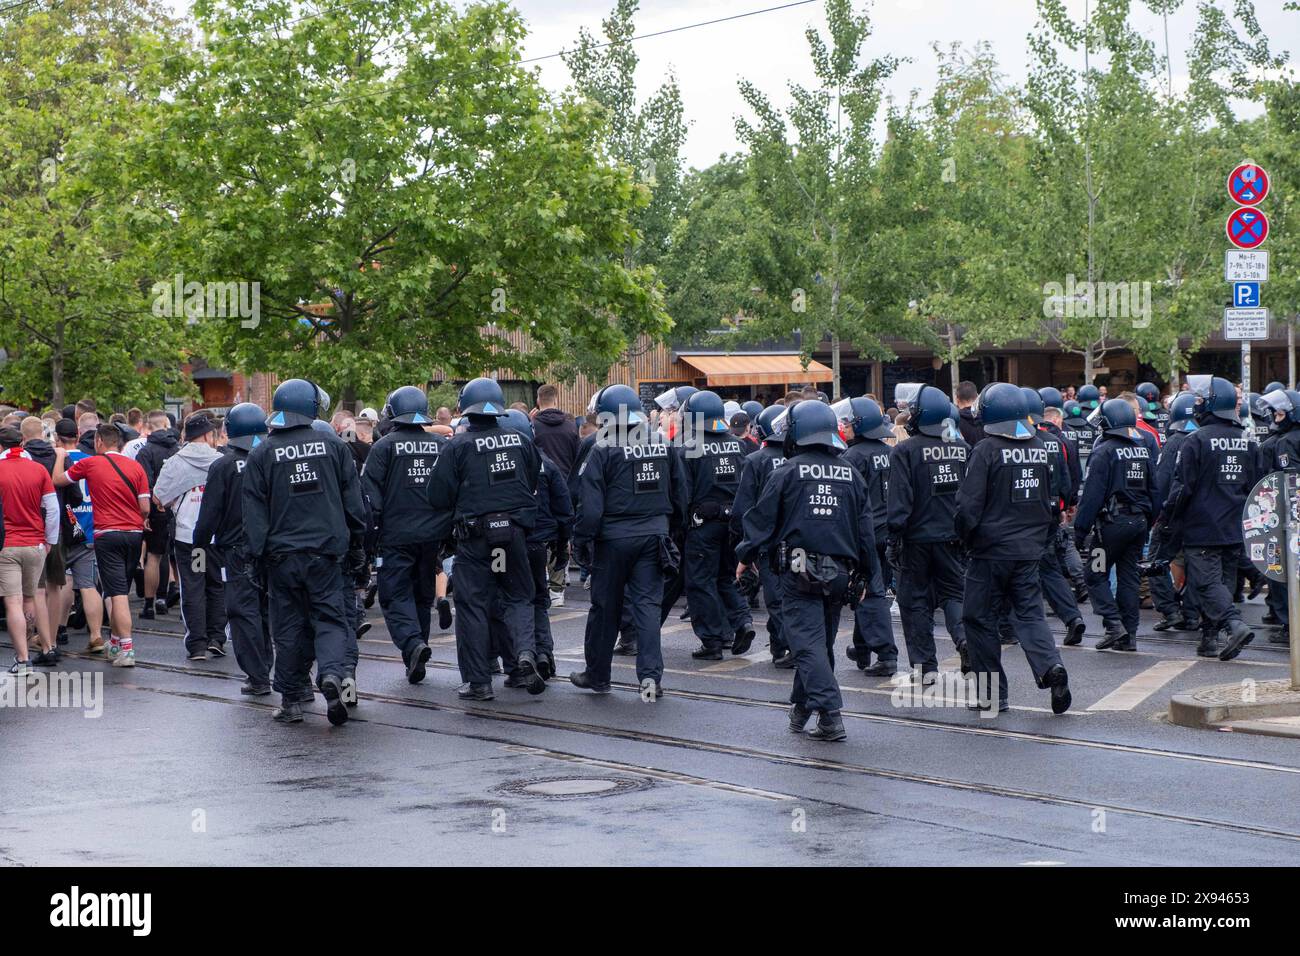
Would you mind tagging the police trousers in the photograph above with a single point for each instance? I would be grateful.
(486, 573)
(309, 620)
(1212, 573)
(992, 585)
(771, 582)
(810, 621)
(710, 564)
(626, 578)
(1120, 542)
(246, 616)
(924, 565)
(1163, 595)
(873, 631)
(406, 576)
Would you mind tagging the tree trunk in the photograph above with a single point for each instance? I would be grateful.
(953, 361)
(1088, 363)
(56, 368)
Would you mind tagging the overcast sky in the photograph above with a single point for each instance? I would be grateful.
(770, 49)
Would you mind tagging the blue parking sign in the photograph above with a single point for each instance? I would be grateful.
(1245, 295)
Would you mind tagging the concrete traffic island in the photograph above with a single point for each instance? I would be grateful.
(1269, 707)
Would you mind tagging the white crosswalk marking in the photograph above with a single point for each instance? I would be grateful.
(1137, 689)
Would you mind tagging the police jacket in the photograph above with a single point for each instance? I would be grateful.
(1282, 449)
(815, 501)
(554, 506)
(396, 480)
(712, 465)
(758, 467)
(1166, 469)
(1066, 452)
(1121, 479)
(484, 470)
(221, 513)
(924, 475)
(1218, 465)
(630, 489)
(1004, 504)
(1084, 435)
(871, 458)
(302, 493)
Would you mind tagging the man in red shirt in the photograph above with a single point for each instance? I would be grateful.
(120, 491)
(31, 521)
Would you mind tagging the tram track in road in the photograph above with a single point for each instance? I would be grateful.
(898, 720)
(731, 750)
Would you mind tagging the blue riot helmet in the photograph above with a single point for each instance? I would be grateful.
(929, 413)
(245, 426)
(1089, 397)
(1002, 412)
(865, 418)
(408, 404)
(813, 423)
(1150, 396)
(325, 428)
(1181, 412)
(297, 402)
(618, 406)
(1273, 387)
(1255, 402)
(1118, 418)
(1033, 404)
(1283, 401)
(1214, 397)
(517, 421)
(481, 396)
(770, 424)
(675, 397)
(1051, 397)
(752, 409)
(905, 395)
(705, 413)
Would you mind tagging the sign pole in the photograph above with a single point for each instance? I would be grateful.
(1291, 534)
(1245, 368)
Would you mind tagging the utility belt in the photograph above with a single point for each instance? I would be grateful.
(710, 511)
(813, 573)
(1119, 509)
(496, 528)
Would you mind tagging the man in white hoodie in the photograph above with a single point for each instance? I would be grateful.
(179, 488)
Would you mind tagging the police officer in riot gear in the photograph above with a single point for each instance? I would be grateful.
(1218, 465)
(1281, 452)
(220, 528)
(769, 428)
(711, 460)
(925, 472)
(814, 518)
(1153, 411)
(1079, 430)
(483, 490)
(1054, 419)
(866, 428)
(1175, 615)
(632, 493)
(1117, 501)
(396, 480)
(1004, 517)
(1051, 572)
(303, 515)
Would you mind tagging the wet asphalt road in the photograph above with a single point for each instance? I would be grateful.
(180, 769)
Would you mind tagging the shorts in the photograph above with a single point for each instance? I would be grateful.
(20, 570)
(158, 539)
(53, 572)
(117, 554)
(81, 566)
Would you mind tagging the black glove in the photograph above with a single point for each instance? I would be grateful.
(354, 567)
(584, 552)
(894, 554)
(560, 553)
(748, 583)
(1153, 568)
(1080, 541)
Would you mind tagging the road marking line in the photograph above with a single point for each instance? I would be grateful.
(567, 616)
(1137, 689)
(731, 664)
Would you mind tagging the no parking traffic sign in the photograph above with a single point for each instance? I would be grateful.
(1247, 228)
(1247, 184)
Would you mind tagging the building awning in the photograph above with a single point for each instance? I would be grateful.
(756, 369)
(203, 374)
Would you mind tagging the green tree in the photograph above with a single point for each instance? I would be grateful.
(396, 182)
(76, 80)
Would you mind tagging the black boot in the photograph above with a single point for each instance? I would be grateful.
(1171, 622)
(332, 688)
(1074, 632)
(475, 692)
(705, 653)
(1113, 637)
(444, 614)
(743, 640)
(799, 716)
(526, 666)
(784, 660)
(1059, 681)
(830, 727)
(881, 669)
(1239, 635)
(586, 682)
(289, 712)
(625, 648)
(1208, 646)
(415, 666)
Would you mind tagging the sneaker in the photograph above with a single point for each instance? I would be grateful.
(96, 647)
(173, 597)
(557, 599)
(48, 658)
(20, 667)
(361, 631)
(198, 655)
(444, 614)
(147, 612)
(125, 659)
(63, 635)
(111, 650)
(161, 606)
(217, 650)
(651, 689)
